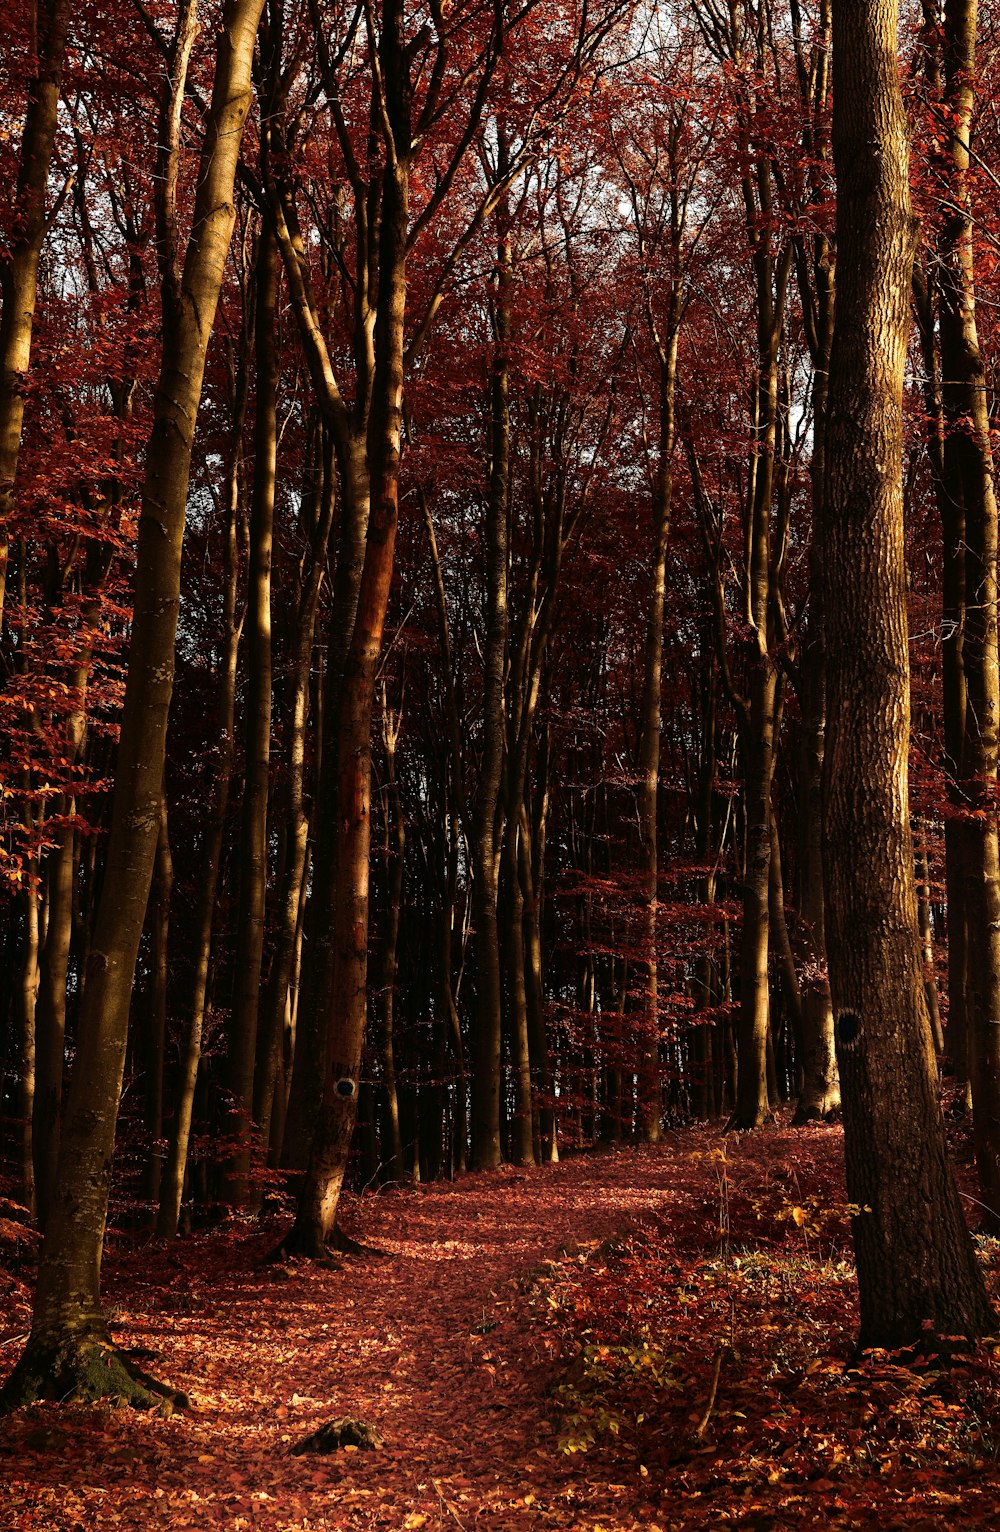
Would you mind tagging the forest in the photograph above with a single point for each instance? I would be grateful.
(499, 731)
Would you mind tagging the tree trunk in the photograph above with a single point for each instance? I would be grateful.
(270, 1034)
(649, 759)
(27, 1007)
(898, 1172)
(485, 847)
(21, 260)
(320, 1194)
(752, 1107)
(316, 1000)
(395, 848)
(531, 856)
(68, 1352)
(969, 476)
(927, 948)
(172, 1186)
(50, 1019)
(522, 1128)
(253, 839)
(155, 1030)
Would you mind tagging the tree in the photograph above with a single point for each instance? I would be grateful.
(68, 1351)
(898, 1172)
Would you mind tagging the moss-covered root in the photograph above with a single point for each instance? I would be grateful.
(83, 1371)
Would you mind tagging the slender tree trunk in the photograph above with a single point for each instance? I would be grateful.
(897, 1165)
(752, 1107)
(27, 1007)
(485, 847)
(758, 732)
(155, 1034)
(649, 760)
(969, 454)
(927, 948)
(530, 857)
(69, 1352)
(316, 1001)
(395, 849)
(172, 1184)
(522, 1128)
(253, 839)
(19, 264)
(820, 1093)
(50, 1019)
(266, 1079)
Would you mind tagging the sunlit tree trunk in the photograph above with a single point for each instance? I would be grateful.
(897, 1165)
(69, 1351)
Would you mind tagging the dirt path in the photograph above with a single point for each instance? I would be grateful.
(428, 1344)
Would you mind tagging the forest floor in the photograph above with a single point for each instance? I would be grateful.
(537, 1349)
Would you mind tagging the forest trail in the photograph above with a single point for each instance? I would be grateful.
(489, 1297)
(430, 1343)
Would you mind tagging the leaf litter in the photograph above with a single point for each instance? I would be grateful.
(643, 1339)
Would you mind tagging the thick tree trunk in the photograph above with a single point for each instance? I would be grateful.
(320, 1194)
(897, 1165)
(68, 1352)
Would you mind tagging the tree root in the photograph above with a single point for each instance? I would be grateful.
(301, 1244)
(83, 1370)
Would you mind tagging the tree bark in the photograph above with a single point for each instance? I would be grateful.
(68, 1352)
(898, 1172)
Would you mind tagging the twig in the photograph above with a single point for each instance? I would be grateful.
(700, 1428)
(447, 1504)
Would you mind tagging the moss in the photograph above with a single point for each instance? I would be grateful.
(82, 1371)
